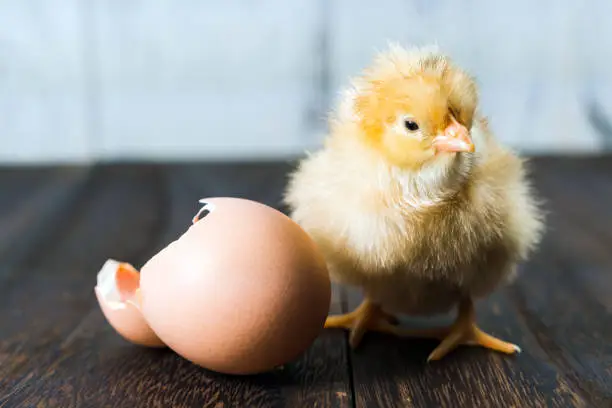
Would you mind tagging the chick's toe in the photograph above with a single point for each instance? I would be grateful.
(367, 317)
(464, 331)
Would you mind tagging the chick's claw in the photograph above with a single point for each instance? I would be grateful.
(465, 332)
(470, 335)
(367, 317)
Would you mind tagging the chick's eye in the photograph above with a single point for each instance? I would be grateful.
(411, 125)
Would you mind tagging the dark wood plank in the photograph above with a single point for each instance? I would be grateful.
(50, 291)
(569, 306)
(558, 311)
(390, 372)
(61, 352)
(57, 350)
(31, 200)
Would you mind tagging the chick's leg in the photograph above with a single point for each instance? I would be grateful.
(465, 331)
(368, 316)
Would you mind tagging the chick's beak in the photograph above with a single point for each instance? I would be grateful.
(455, 138)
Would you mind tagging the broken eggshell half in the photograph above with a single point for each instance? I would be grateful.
(118, 293)
(243, 290)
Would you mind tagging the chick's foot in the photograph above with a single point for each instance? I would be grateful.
(465, 331)
(367, 317)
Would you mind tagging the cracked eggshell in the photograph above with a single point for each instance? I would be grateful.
(116, 290)
(242, 291)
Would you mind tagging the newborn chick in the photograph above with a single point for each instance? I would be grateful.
(414, 201)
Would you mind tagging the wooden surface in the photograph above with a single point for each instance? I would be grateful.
(58, 225)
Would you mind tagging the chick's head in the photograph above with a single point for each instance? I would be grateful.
(414, 106)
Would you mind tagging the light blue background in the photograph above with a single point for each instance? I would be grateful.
(182, 80)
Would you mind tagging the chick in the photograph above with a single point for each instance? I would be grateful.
(413, 200)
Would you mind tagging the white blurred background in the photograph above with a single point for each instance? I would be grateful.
(91, 80)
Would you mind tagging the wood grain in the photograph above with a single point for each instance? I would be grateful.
(58, 225)
(558, 311)
(57, 349)
(390, 372)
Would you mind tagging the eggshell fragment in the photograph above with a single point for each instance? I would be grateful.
(242, 291)
(117, 292)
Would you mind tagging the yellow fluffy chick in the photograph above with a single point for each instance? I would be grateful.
(414, 201)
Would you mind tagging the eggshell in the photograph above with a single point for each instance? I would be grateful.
(242, 291)
(123, 315)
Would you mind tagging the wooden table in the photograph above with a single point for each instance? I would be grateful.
(59, 224)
